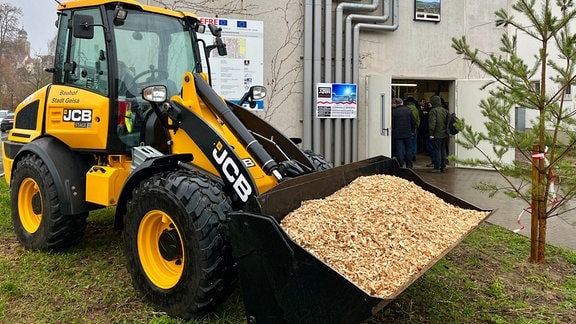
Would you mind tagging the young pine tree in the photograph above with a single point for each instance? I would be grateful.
(537, 81)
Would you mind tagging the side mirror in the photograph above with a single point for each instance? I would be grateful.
(219, 44)
(258, 92)
(200, 29)
(216, 31)
(120, 16)
(83, 26)
(155, 94)
(253, 94)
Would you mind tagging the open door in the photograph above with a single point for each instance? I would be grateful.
(378, 115)
(468, 94)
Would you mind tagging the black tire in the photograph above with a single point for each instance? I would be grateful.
(318, 161)
(36, 216)
(187, 215)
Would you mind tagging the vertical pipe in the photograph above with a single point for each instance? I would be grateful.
(328, 75)
(308, 66)
(339, 17)
(337, 79)
(343, 140)
(328, 41)
(356, 53)
(350, 142)
(317, 69)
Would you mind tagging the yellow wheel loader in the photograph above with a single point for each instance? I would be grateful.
(199, 183)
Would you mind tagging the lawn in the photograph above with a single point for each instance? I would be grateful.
(485, 279)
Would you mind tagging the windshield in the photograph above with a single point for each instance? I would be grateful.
(152, 49)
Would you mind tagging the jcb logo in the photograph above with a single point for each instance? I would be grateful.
(232, 173)
(77, 115)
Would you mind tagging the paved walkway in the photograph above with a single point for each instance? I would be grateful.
(561, 230)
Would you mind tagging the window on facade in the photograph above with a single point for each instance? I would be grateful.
(568, 92)
(536, 85)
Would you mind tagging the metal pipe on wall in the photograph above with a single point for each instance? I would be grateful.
(316, 71)
(342, 140)
(351, 146)
(334, 139)
(352, 57)
(356, 46)
(328, 135)
(338, 52)
(308, 65)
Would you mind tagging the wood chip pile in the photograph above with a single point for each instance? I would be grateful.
(379, 231)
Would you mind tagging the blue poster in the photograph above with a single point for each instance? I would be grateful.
(336, 100)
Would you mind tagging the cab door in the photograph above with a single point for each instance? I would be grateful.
(77, 108)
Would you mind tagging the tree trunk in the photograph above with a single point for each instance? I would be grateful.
(538, 219)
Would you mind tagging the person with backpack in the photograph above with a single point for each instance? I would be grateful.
(451, 127)
(437, 122)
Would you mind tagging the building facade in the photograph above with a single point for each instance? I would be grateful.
(388, 48)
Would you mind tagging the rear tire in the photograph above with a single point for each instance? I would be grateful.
(177, 245)
(36, 216)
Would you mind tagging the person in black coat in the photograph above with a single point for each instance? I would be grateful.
(403, 127)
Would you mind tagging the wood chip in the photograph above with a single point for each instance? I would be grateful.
(379, 231)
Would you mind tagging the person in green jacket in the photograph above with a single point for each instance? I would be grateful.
(438, 134)
(412, 104)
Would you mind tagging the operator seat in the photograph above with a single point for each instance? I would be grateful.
(155, 134)
(125, 78)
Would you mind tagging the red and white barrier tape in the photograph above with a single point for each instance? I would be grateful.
(552, 191)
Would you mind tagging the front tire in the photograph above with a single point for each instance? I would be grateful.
(36, 216)
(177, 246)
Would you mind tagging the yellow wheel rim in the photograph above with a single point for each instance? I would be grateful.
(30, 205)
(160, 249)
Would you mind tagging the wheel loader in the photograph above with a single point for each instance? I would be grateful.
(199, 183)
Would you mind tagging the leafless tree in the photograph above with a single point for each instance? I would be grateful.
(34, 77)
(9, 22)
(228, 7)
(286, 67)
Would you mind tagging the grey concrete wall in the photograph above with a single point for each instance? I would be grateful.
(416, 49)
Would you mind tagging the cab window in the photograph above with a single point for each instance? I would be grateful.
(82, 62)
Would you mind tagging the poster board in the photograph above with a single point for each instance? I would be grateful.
(336, 100)
(243, 67)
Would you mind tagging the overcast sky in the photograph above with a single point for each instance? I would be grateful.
(38, 17)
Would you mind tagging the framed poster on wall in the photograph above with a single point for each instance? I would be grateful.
(427, 10)
(336, 100)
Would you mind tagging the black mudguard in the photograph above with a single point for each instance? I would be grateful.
(68, 169)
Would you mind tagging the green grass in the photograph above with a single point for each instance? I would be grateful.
(486, 278)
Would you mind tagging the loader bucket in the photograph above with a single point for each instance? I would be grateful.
(283, 283)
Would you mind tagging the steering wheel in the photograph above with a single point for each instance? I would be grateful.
(153, 75)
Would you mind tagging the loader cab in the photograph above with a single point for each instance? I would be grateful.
(105, 56)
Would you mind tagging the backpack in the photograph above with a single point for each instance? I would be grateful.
(451, 120)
